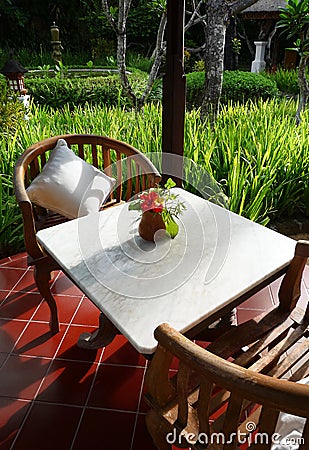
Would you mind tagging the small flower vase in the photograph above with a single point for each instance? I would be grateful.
(150, 223)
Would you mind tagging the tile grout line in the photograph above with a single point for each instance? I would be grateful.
(37, 292)
(8, 259)
(138, 406)
(87, 399)
(19, 279)
(85, 406)
(11, 267)
(23, 331)
(43, 379)
(30, 319)
(27, 321)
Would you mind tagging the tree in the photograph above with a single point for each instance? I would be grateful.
(119, 26)
(218, 15)
(213, 15)
(295, 21)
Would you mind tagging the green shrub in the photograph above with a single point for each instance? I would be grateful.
(107, 90)
(195, 89)
(12, 121)
(139, 62)
(11, 230)
(237, 86)
(243, 86)
(286, 80)
(12, 110)
(57, 92)
(11, 233)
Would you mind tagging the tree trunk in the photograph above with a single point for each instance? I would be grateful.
(218, 16)
(122, 68)
(120, 30)
(303, 87)
(214, 59)
(159, 54)
(124, 7)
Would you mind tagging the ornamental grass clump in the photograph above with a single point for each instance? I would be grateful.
(256, 154)
(12, 110)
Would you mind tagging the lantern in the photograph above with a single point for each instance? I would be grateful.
(56, 44)
(54, 29)
(14, 73)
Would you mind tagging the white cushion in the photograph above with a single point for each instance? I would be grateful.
(68, 185)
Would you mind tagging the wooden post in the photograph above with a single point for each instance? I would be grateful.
(174, 94)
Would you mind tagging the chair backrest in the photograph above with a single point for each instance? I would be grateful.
(133, 172)
(214, 403)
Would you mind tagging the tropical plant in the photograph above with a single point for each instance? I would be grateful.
(286, 80)
(294, 19)
(11, 237)
(254, 151)
(236, 86)
(12, 110)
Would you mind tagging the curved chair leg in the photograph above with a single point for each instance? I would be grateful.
(42, 277)
(158, 433)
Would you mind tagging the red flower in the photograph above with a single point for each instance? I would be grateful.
(151, 202)
(158, 209)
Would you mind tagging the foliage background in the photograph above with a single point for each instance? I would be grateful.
(253, 152)
(83, 27)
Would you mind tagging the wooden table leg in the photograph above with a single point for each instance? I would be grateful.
(100, 337)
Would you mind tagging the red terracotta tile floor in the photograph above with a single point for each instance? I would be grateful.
(56, 396)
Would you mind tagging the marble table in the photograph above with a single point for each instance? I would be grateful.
(217, 260)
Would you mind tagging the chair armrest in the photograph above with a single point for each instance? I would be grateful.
(290, 288)
(258, 387)
(302, 248)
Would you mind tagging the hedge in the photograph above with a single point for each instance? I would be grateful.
(237, 86)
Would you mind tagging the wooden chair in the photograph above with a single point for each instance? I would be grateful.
(233, 391)
(132, 170)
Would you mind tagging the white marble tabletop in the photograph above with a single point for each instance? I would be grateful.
(216, 257)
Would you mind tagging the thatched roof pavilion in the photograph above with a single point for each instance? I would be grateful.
(264, 9)
(266, 13)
